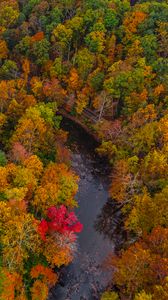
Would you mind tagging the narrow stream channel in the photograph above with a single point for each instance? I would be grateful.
(85, 278)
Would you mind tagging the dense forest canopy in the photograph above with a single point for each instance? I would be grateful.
(108, 56)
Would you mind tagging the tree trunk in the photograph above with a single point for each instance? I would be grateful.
(101, 109)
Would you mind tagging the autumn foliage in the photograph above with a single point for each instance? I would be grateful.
(60, 221)
(108, 58)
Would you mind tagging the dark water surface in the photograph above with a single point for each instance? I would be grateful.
(85, 278)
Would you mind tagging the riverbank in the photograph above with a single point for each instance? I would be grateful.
(87, 128)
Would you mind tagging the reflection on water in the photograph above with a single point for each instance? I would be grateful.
(85, 278)
(110, 223)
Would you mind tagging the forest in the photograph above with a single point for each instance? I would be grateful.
(108, 58)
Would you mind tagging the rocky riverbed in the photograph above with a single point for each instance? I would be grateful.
(85, 278)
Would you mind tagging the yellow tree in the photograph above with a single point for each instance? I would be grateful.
(58, 186)
(30, 131)
(19, 236)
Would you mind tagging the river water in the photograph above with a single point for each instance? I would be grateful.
(85, 278)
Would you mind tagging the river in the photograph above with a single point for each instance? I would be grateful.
(85, 278)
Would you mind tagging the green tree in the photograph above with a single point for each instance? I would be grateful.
(85, 62)
(111, 19)
(3, 160)
(40, 51)
(9, 70)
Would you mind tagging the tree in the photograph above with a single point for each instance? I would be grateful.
(34, 165)
(85, 62)
(154, 169)
(58, 186)
(140, 142)
(62, 37)
(102, 103)
(36, 86)
(148, 212)
(124, 182)
(132, 269)
(19, 237)
(131, 22)
(11, 286)
(18, 153)
(58, 69)
(150, 46)
(141, 265)
(82, 99)
(143, 116)
(163, 39)
(30, 130)
(111, 19)
(96, 40)
(96, 79)
(60, 221)
(54, 91)
(44, 278)
(76, 25)
(110, 130)
(9, 70)
(3, 49)
(8, 14)
(40, 51)
(74, 82)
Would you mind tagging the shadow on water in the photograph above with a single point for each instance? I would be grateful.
(110, 223)
(85, 278)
